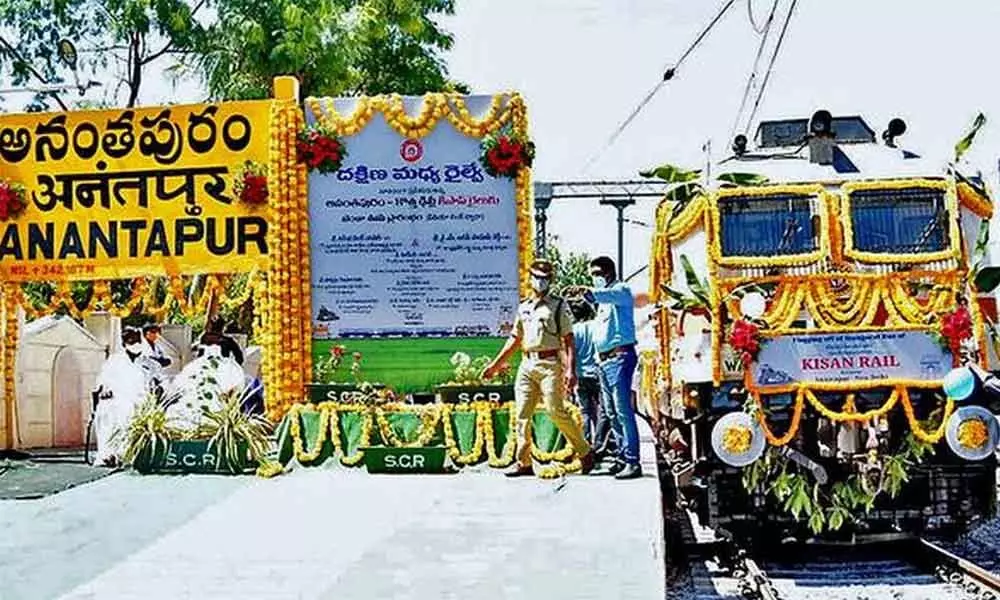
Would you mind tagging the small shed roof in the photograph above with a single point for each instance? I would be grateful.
(50, 322)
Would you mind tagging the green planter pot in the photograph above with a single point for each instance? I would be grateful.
(455, 394)
(346, 393)
(379, 459)
(190, 456)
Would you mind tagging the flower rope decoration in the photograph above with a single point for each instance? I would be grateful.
(13, 199)
(899, 395)
(329, 427)
(429, 417)
(451, 443)
(251, 184)
(506, 456)
(320, 149)
(506, 153)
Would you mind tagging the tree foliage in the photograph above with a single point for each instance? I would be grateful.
(334, 47)
(116, 41)
(234, 47)
(572, 269)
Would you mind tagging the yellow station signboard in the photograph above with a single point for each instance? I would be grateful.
(118, 194)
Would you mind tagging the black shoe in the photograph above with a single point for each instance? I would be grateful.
(630, 472)
(519, 471)
(613, 469)
(587, 463)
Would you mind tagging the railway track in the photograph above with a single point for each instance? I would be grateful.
(898, 568)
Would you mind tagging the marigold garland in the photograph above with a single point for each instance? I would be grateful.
(329, 428)
(953, 252)
(429, 418)
(506, 457)
(504, 109)
(479, 440)
(976, 202)
(899, 395)
(822, 201)
(8, 356)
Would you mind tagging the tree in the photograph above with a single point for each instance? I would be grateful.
(235, 47)
(123, 36)
(334, 47)
(572, 269)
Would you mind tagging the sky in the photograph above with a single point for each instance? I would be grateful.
(583, 66)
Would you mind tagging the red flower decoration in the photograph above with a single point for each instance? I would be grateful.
(319, 149)
(745, 339)
(337, 351)
(505, 154)
(251, 184)
(12, 200)
(956, 327)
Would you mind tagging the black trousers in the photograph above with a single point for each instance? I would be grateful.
(596, 426)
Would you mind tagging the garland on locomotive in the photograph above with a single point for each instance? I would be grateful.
(827, 374)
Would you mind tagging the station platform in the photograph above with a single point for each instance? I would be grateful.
(335, 533)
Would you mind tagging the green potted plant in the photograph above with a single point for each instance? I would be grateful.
(467, 384)
(147, 437)
(216, 436)
(329, 383)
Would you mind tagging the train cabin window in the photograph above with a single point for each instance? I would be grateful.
(900, 221)
(782, 224)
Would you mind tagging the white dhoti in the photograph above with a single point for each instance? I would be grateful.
(126, 383)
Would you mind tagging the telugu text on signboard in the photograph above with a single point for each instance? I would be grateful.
(412, 238)
(134, 192)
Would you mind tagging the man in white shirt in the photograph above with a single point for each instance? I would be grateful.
(121, 386)
(155, 360)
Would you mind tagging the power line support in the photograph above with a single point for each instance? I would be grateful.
(620, 204)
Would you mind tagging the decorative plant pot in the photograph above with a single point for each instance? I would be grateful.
(190, 456)
(380, 459)
(345, 393)
(478, 393)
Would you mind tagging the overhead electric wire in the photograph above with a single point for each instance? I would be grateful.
(770, 67)
(765, 34)
(753, 22)
(668, 71)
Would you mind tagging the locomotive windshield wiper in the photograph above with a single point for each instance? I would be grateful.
(934, 224)
(791, 228)
(817, 470)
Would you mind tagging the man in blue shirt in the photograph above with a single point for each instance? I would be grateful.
(614, 339)
(588, 378)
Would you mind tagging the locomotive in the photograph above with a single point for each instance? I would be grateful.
(823, 355)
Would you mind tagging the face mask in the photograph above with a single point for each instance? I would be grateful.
(539, 285)
(134, 348)
(600, 282)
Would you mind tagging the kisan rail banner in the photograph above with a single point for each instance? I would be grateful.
(850, 357)
(118, 194)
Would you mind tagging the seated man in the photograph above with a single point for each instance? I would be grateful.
(214, 335)
(154, 360)
(121, 386)
(205, 382)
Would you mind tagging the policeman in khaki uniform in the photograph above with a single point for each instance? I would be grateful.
(543, 329)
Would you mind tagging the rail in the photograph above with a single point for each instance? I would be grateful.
(974, 580)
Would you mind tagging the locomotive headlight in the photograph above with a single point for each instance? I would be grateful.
(738, 439)
(959, 384)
